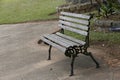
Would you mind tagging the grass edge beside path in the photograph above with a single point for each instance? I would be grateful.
(17, 11)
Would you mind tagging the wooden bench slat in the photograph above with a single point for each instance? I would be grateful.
(53, 44)
(73, 30)
(57, 41)
(71, 38)
(76, 15)
(64, 40)
(84, 22)
(74, 25)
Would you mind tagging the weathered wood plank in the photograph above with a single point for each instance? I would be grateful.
(57, 41)
(71, 38)
(73, 30)
(84, 22)
(64, 40)
(83, 27)
(53, 44)
(76, 15)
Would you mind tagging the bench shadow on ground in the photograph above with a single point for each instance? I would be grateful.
(84, 67)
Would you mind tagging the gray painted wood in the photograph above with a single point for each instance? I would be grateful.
(84, 22)
(54, 44)
(73, 22)
(71, 43)
(83, 27)
(76, 15)
(53, 39)
(74, 30)
(71, 38)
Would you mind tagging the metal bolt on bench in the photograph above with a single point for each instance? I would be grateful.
(77, 23)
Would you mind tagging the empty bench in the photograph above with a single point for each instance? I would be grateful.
(70, 46)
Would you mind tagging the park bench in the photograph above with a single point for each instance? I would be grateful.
(71, 47)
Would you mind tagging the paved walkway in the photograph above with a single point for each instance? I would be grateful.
(21, 58)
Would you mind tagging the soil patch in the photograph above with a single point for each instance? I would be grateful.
(112, 56)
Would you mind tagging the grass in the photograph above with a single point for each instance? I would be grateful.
(14, 11)
(110, 37)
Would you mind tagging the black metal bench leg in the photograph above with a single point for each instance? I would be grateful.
(97, 64)
(49, 55)
(72, 65)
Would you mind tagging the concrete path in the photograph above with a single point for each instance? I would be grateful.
(21, 58)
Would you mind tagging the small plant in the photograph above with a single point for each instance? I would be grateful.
(108, 7)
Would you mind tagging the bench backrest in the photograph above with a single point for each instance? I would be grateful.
(77, 23)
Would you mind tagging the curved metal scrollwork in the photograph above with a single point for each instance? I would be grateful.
(73, 50)
(70, 51)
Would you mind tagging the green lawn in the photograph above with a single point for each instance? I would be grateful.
(14, 11)
(110, 37)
